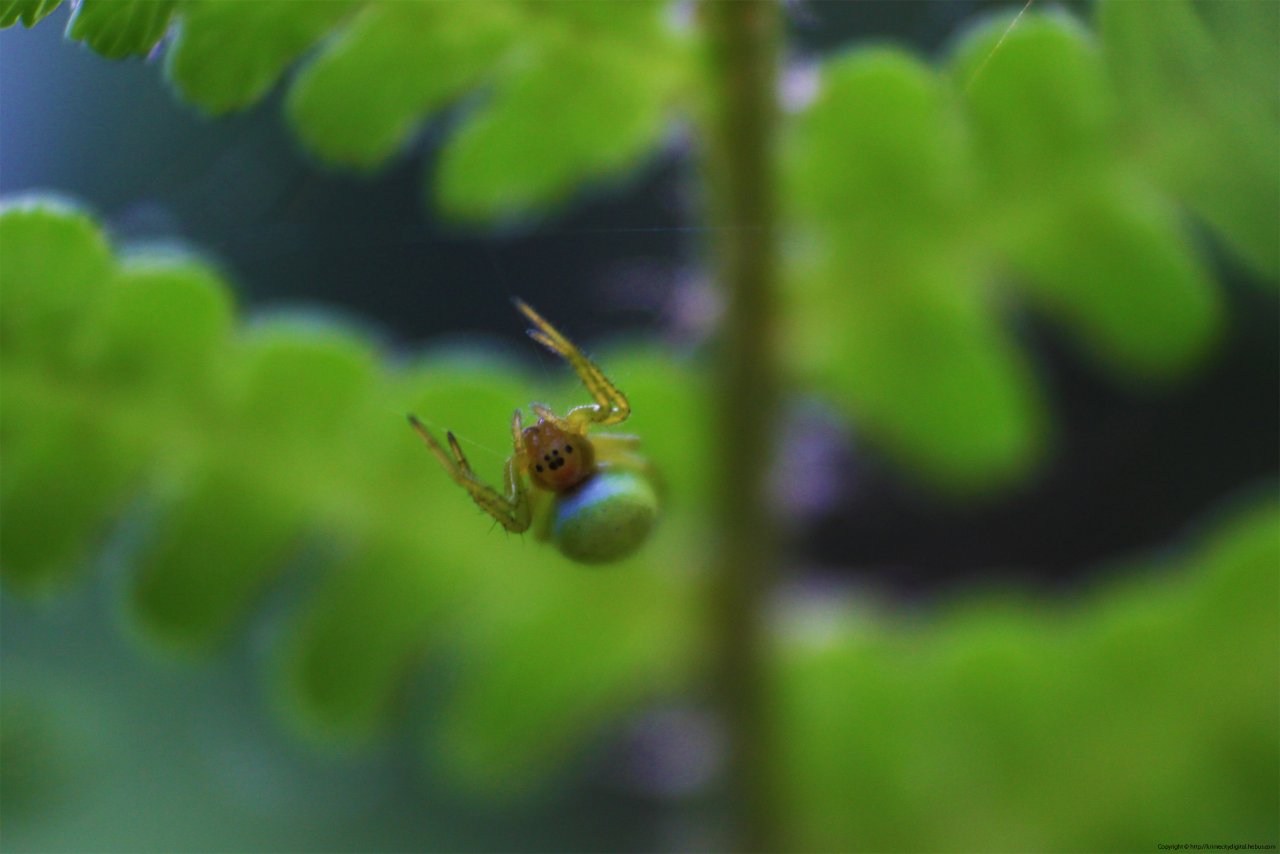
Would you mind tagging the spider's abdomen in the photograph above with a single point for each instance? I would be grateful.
(606, 518)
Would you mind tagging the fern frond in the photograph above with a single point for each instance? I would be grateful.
(128, 389)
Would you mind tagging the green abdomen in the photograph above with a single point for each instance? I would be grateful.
(605, 519)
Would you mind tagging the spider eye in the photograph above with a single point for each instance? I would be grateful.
(568, 449)
(539, 466)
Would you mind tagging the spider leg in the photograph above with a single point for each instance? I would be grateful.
(545, 413)
(512, 510)
(608, 444)
(610, 405)
(517, 433)
(622, 451)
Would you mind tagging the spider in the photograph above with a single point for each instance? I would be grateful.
(593, 497)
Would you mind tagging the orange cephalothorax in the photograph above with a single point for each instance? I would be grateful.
(558, 460)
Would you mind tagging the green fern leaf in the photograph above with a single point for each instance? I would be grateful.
(1044, 173)
(360, 100)
(379, 71)
(227, 56)
(1030, 726)
(1198, 83)
(1089, 236)
(892, 315)
(57, 483)
(922, 207)
(386, 68)
(29, 12)
(241, 450)
(120, 28)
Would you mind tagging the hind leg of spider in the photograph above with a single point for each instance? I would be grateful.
(619, 451)
(512, 509)
(611, 406)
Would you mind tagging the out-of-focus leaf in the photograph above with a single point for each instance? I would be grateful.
(120, 28)
(245, 443)
(228, 530)
(393, 65)
(228, 55)
(30, 12)
(360, 100)
(1044, 91)
(1089, 235)
(910, 204)
(163, 326)
(1198, 83)
(55, 265)
(1113, 267)
(368, 622)
(543, 645)
(61, 475)
(891, 313)
(302, 382)
(564, 92)
(63, 479)
(1005, 725)
(219, 538)
(398, 591)
(504, 161)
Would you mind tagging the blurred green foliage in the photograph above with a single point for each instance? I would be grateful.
(29, 12)
(1144, 713)
(120, 28)
(925, 203)
(921, 204)
(128, 386)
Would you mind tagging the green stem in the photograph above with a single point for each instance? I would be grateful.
(742, 38)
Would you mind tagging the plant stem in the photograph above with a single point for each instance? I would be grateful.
(742, 39)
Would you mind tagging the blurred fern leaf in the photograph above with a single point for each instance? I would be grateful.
(1198, 86)
(120, 28)
(29, 12)
(1149, 709)
(925, 205)
(384, 69)
(378, 71)
(129, 390)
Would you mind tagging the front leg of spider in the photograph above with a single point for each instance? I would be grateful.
(599, 503)
(610, 405)
(510, 509)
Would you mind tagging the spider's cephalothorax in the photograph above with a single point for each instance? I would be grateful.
(558, 461)
(602, 502)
